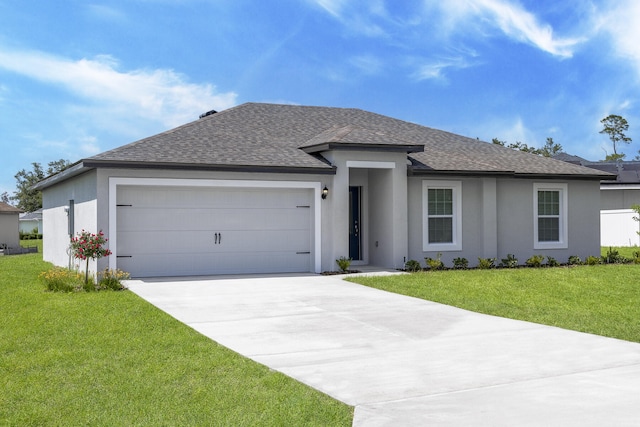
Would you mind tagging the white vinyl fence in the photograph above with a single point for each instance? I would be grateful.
(618, 228)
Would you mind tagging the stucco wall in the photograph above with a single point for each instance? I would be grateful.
(619, 198)
(55, 203)
(497, 219)
(9, 235)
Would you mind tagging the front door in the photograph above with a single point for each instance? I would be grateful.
(355, 240)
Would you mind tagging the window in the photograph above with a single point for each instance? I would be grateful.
(550, 216)
(442, 215)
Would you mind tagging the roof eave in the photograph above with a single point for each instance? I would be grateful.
(399, 148)
(94, 163)
(511, 174)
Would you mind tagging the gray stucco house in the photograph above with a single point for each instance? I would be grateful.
(9, 227)
(279, 188)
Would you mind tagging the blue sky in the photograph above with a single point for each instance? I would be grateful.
(80, 77)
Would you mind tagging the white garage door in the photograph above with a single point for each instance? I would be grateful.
(176, 231)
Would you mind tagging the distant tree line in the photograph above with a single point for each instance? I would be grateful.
(27, 198)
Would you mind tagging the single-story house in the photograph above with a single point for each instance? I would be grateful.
(617, 226)
(263, 188)
(9, 234)
(31, 222)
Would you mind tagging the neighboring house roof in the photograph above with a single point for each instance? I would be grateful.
(627, 173)
(31, 216)
(6, 208)
(290, 138)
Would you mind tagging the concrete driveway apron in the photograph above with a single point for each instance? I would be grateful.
(402, 361)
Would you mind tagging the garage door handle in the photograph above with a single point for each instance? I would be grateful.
(218, 238)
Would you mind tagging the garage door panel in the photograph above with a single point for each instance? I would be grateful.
(175, 231)
(136, 219)
(194, 242)
(193, 198)
(148, 265)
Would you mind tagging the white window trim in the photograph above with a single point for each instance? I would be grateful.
(564, 216)
(456, 245)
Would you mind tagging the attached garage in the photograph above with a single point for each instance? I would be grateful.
(169, 230)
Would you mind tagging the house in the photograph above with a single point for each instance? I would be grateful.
(617, 226)
(262, 188)
(31, 222)
(9, 235)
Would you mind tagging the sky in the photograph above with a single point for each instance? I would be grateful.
(81, 77)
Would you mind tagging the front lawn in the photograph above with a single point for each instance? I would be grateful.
(109, 358)
(603, 299)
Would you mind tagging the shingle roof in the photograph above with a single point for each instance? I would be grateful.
(267, 136)
(6, 208)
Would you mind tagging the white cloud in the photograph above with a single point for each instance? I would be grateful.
(368, 64)
(434, 69)
(161, 95)
(512, 20)
(621, 23)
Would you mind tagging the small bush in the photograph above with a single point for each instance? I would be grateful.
(486, 263)
(535, 261)
(509, 262)
(412, 265)
(460, 263)
(636, 257)
(593, 260)
(112, 279)
(344, 263)
(434, 263)
(614, 257)
(552, 262)
(574, 260)
(60, 279)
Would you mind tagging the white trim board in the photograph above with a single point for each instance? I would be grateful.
(114, 182)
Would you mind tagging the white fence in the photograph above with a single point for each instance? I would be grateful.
(618, 228)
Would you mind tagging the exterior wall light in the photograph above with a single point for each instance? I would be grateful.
(325, 192)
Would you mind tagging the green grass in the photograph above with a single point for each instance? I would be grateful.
(31, 243)
(110, 358)
(602, 299)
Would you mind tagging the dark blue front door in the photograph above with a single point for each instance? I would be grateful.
(354, 224)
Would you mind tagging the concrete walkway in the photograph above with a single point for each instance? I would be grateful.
(407, 362)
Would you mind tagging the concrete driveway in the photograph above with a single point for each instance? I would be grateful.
(407, 362)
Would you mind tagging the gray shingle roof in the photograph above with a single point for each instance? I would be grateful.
(267, 136)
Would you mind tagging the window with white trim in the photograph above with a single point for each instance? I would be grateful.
(442, 215)
(550, 216)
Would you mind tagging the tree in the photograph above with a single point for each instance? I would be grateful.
(4, 197)
(615, 126)
(28, 199)
(549, 149)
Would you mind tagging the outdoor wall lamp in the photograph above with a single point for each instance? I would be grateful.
(325, 192)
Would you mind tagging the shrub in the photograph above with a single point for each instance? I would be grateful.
(344, 263)
(535, 261)
(636, 257)
(614, 257)
(412, 265)
(460, 263)
(486, 263)
(112, 279)
(574, 260)
(552, 262)
(435, 263)
(510, 261)
(60, 279)
(89, 246)
(593, 260)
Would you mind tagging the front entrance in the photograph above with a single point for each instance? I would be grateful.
(355, 220)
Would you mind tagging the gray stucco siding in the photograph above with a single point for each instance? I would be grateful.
(498, 219)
